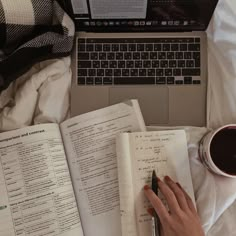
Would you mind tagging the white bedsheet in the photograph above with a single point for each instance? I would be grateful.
(42, 96)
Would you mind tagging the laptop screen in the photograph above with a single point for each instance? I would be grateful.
(142, 15)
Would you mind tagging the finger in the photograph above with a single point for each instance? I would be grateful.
(157, 204)
(170, 197)
(189, 200)
(179, 194)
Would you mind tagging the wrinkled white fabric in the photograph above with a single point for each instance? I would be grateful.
(39, 96)
(42, 96)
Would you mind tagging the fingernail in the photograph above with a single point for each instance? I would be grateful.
(167, 178)
(158, 179)
(146, 187)
(179, 185)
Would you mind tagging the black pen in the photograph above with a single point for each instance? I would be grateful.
(155, 190)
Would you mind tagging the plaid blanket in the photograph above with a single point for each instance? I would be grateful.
(31, 31)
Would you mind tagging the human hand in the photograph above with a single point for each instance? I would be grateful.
(182, 218)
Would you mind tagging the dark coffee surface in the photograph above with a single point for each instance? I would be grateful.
(223, 150)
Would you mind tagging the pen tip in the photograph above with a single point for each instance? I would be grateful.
(154, 173)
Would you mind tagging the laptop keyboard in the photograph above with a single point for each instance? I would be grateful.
(159, 61)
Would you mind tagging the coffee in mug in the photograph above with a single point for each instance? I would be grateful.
(217, 151)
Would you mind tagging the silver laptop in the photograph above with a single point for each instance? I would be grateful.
(151, 50)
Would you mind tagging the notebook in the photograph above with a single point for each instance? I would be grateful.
(151, 50)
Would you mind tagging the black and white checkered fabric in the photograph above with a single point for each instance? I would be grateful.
(31, 31)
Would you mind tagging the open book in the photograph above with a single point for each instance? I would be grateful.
(138, 154)
(62, 179)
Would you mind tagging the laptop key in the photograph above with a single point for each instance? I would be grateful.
(151, 72)
(127, 56)
(89, 47)
(155, 64)
(98, 80)
(164, 64)
(140, 47)
(136, 55)
(188, 80)
(106, 47)
(84, 64)
(170, 55)
(117, 72)
(82, 72)
(159, 72)
(174, 47)
(179, 82)
(133, 72)
(102, 56)
(183, 47)
(94, 56)
(81, 47)
(161, 80)
(91, 72)
(187, 55)
(144, 55)
(119, 56)
(107, 80)
(83, 56)
(132, 47)
(170, 80)
(121, 64)
(166, 47)
(177, 72)
(110, 56)
(196, 55)
(100, 72)
(98, 47)
(113, 64)
(194, 47)
(147, 64)
(134, 80)
(190, 63)
(179, 55)
(129, 64)
(161, 55)
(191, 72)
(96, 64)
(125, 72)
(142, 72)
(81, 80)
(138, 64)
(197, 62)
(157, 47)
(104, 64)
(90, 80)
(108, 72)
(172, 63)
(149, 47)
(196, 81)
(115, 47)
(181, 63)
(153, 55)
(123, 47)
(168, 72)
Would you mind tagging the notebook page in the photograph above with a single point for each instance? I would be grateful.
(162, 151)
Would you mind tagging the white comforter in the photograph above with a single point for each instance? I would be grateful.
(42, 96)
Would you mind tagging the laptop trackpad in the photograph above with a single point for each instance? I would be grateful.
(154, 102)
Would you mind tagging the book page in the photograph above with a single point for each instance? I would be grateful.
(36, 193)
(90, 146)
(118, 9)
(162, 151)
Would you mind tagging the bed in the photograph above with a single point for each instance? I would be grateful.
(43, 94)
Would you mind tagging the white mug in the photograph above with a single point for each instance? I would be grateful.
(210, 158)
